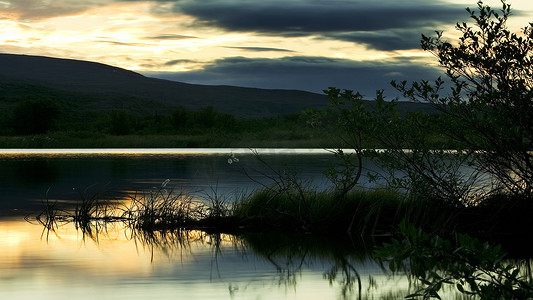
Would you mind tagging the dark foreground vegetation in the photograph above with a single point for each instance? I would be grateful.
(448, 179)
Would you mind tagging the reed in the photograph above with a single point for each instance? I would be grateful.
(159, 209)
(48, 217)
(290, 206)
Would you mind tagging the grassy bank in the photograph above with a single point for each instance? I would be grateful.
(267, 138)
(369, 213)
(379, 212)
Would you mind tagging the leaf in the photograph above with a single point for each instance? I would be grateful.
(434, 294)
(392, 266)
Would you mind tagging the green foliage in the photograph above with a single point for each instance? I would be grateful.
(34, 116)
(346, 174)
(356, 125)
(482, 141)
(474, 268)
(489, 110)
(177, 128)
(179, 118)
(411, 159)
(206, 117)
(120, 123)
(289, 204)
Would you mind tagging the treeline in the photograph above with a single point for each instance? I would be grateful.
(40, 116)
(27, 122)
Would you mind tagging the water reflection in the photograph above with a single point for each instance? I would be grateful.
(129, 263)
(34, 172)
(65, 260)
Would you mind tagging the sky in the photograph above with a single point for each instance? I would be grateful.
(281, 44)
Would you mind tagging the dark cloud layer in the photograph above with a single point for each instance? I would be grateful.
(318, 16)
(306, 73)
(367, 22)
(381, 24)
(171, 37)
(178, 61)
(260, 49)
(385, 40)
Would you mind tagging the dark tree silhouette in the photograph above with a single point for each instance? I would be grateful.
(489, 108)
(34, 116)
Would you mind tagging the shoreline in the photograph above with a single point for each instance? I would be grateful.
(171, 151)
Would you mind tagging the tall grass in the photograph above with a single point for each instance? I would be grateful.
(287, 206)
(160, 208)
(156, 209)
(361, 211)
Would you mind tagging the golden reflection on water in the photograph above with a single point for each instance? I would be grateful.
(33, 265)
(168, 264)
(24, 245)
(188, 263)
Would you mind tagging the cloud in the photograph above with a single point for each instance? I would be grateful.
(171, 37)
(129, 44)
(381, 24)
(179, 61)
(385, 40)
(306, 73)
(260, 49)
(318, 16)
(378, 24)
(32, 9)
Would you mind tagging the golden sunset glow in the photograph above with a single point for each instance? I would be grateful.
(22, 243)
(198, 42)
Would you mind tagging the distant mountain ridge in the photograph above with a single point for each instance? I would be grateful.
(99, 87)
(97, 80)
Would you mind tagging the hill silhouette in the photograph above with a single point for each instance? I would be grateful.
(83, 86)
(102, 86)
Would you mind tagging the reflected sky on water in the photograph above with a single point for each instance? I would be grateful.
(117, 263)
(193, 265)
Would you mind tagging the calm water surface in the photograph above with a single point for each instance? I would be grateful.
(119, 264)
(29, 176)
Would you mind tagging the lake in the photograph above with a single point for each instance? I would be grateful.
(28, 176)
(116, 263)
